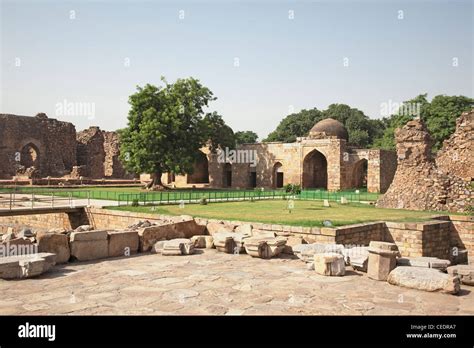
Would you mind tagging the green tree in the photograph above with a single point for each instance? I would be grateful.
(166, 128)
(245, 137)
(217, 132)
(295, 125)
(439, 115)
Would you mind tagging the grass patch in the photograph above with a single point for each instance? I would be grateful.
(305, 213)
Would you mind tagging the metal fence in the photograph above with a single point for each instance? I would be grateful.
(51, 199)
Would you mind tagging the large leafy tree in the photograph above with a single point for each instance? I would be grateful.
(166, 128)
(439, 115)
(245, 137)
(295, 125)
(361, 129)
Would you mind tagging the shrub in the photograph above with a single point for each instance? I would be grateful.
(135, 203)
(293, 189)
(203, 201)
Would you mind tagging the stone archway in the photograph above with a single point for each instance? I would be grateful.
(200, 174)
(315, 170)
(30, 156)
(278, 175)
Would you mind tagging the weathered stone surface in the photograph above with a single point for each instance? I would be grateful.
(290, 243)
(122, 243)
(203, 241)
(245, 229)
(264, 248)
(424, 279)
(25, 233)
(26, 266)
(427, 262)
(224, 242)
(88, 236)
(54, 243)
(86, 250)
(84, 228)
(150, 235)
(157, 248)
(382, 259)
(306, 251)
(214, 227)
(464, 272)
(178, 246)
(329, 264)
(357, 257)
(263, 234)
(418, 183)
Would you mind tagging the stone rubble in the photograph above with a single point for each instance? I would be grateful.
(426, 279)
(464, 272)
(329, 264)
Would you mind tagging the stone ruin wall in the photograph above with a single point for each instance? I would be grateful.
(418, 183)
(57, 150)
(457, 155)
(53, 141)
(98, 152)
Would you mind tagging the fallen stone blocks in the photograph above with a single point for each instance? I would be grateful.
(306, 252)
(427, 279)
(426, 262)
(203, 241)
(89, 245)
(214, 227)
(224, 242)
(54, 243)
(178, 246)
(382, 259)
(329, 264)
(148, 236)
(357, 257)
(264, 248)
(122, 243)
(26, 266)
(464, 272)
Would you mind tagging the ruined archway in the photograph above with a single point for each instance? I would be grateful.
(315, 170)
(278, 175)
(359, 174)
(252, 177)
(227, 179)
(29, 156)
(200, 173)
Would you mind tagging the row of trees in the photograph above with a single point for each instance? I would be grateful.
(167, 125)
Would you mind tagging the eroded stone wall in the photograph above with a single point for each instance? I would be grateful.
(47, 144)
(457, 154)
(418, 183)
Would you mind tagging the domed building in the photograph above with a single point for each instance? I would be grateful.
(321, 160)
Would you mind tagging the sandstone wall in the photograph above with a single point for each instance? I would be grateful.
(457, 154)
(53, 140)
(90, 152)
(418, 183)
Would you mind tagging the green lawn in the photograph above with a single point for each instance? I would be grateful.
(305, 213)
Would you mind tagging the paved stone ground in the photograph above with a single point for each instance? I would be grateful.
(216, 283)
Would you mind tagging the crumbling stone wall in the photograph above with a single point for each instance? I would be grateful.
(418, 183)
(50, 143)
(113, 167)
(90, 151)
(457, 155)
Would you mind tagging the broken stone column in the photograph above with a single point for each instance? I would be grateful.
(264, 248)
(178, 246)
(329, 264)
(224, 242)
(382, 259)
(203, 241)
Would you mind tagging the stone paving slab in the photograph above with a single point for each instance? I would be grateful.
(216, 284)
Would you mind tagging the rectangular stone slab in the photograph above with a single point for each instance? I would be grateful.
(88, 235)
(86, 250)
(427, 279)
(122, 243)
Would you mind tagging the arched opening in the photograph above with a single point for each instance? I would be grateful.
(315, 170)
(29, 156)
(253, 177)
(278, 175)
(359, 174)
(200, 173)
(227, 175)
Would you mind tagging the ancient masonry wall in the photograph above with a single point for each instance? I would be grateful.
(418, 183)
(457, 154)
(52, 141)
(435, 238)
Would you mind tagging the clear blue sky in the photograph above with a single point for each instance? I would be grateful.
(284, 63)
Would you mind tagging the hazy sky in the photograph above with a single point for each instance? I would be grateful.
(291, 55)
